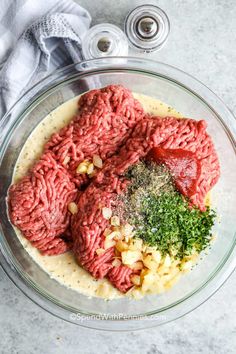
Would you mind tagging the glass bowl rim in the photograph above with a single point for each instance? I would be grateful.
(145, 66)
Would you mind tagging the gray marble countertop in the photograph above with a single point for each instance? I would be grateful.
(202, 42)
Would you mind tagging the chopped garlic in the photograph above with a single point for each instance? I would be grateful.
(97, 161)
(72, 207)
(107, 213)
(66, 160)
(92, 174)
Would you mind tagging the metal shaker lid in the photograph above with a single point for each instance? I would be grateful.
(103, 40)
(147, 27)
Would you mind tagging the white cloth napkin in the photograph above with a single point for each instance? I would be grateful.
(37, 37)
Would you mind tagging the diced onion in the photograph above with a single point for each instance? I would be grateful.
(156, 255)
(130, 257)
(136, 244)
(114, 235)
(109, 243)
(136, 266)
(107, 232)
(136, 280)
(116, 262)
(121, 246)
(115, 221)
(150, 249)
(107, 213)
(167, 261)
(149, 262)
(97, 161)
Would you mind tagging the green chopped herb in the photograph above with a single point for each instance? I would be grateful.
(171, 225)
(162, 216)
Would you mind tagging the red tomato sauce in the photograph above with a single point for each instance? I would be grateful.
(183, 165)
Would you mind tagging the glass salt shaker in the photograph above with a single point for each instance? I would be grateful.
(147, 27)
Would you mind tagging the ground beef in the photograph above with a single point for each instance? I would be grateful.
(112, 124)
(88, 225)
(103, 124)
(38, 203)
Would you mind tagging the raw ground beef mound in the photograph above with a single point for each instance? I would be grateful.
(112, 124)
(38, 203)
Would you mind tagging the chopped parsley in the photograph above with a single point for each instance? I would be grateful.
(162, 216)
(172, 226)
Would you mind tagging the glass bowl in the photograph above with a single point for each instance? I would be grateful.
(186, 95)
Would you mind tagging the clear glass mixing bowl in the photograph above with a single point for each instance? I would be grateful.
(188, 96)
